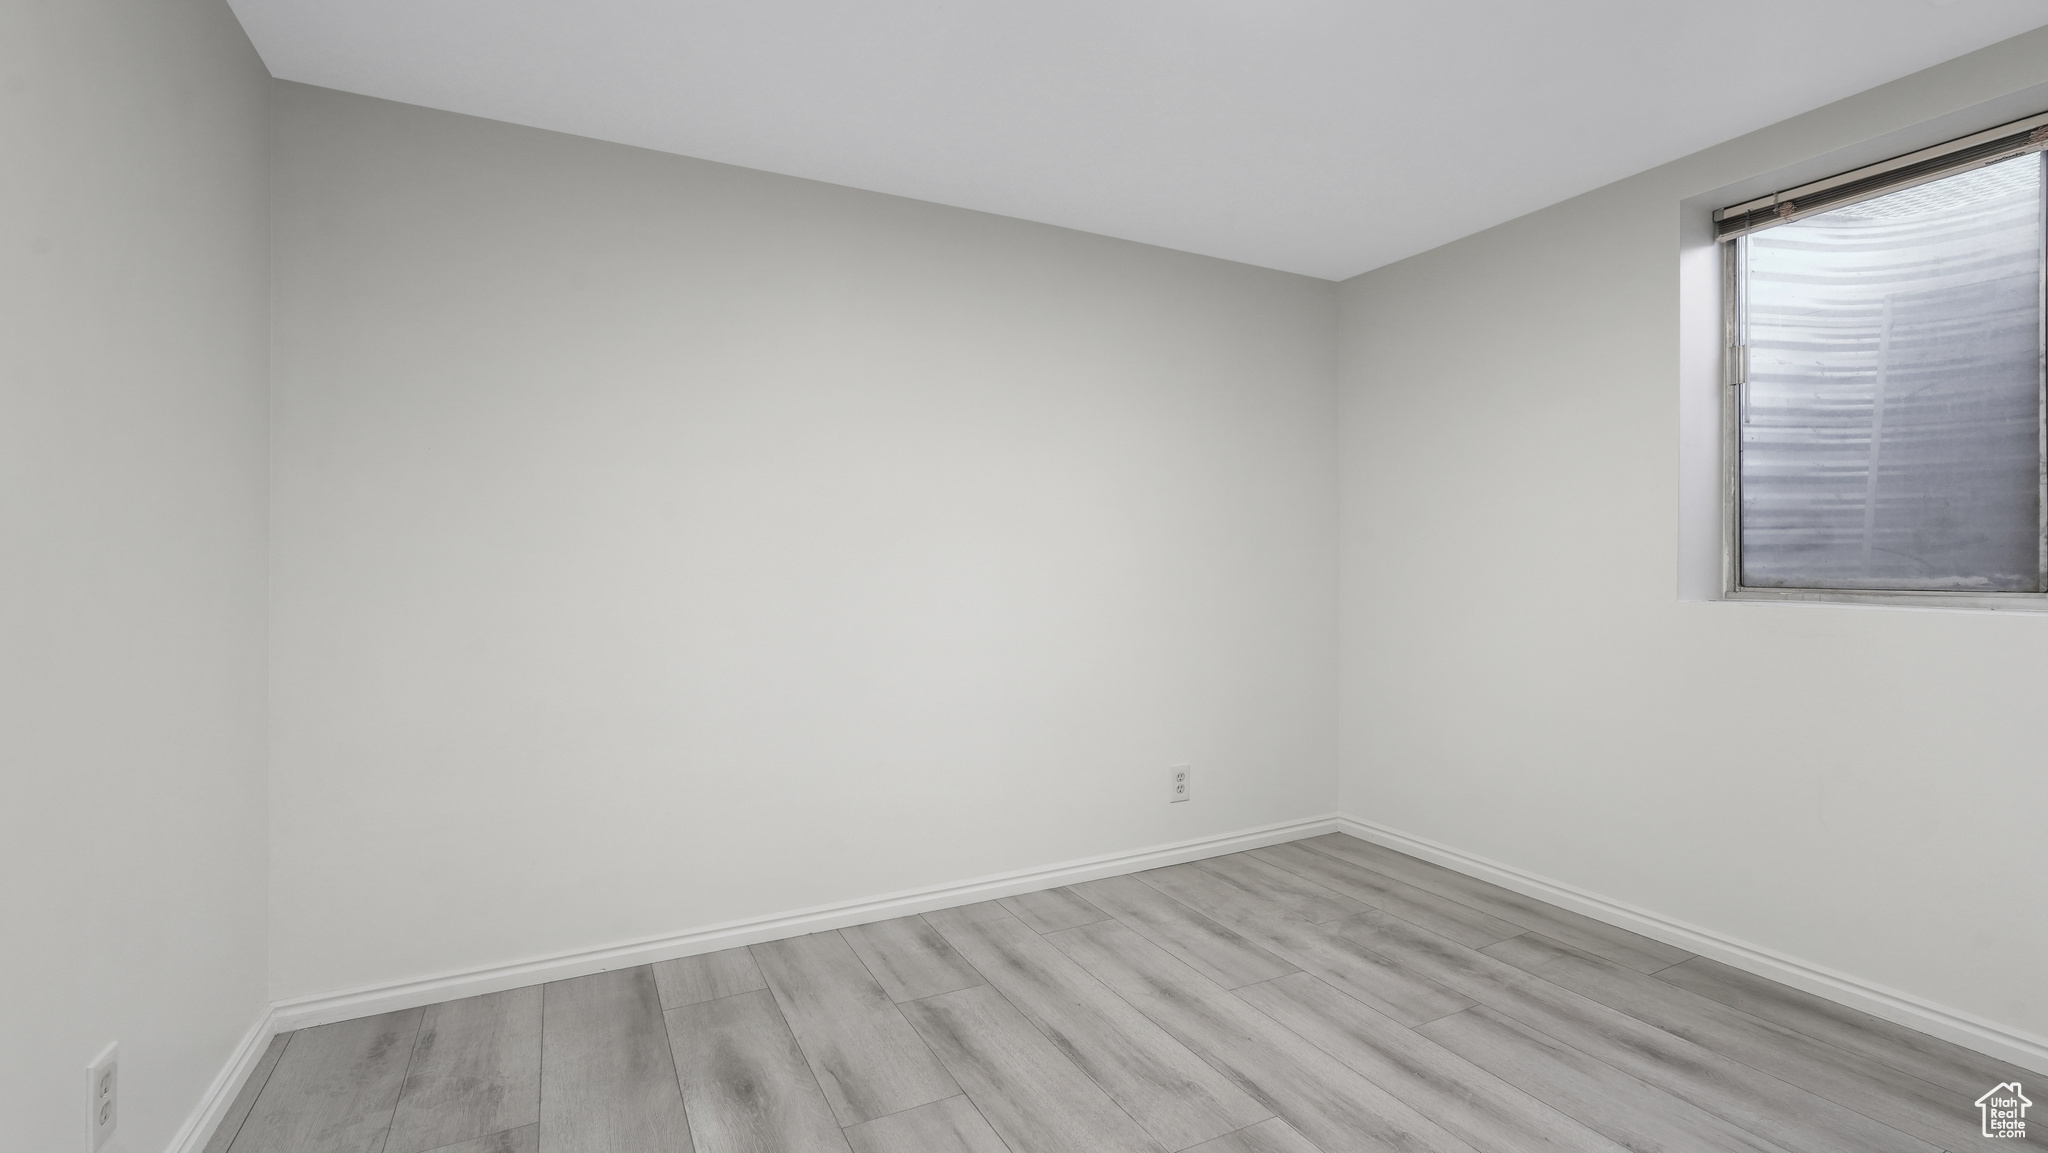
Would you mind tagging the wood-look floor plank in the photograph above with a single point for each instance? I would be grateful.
(950, 1126)
(1489, 1114)
(1530, 951)
(746, 1086)
(867, 1059)
(977, 911)
(1283, 890)
(1031, 1094)
(245, 1097)
(1597, 937)
(475, 1071)
(607, 1078)
(1438, 914)
(1907, 1050)
(1597, 1095)
(525, 1139)
(1935, 1114)
(1343, 961)
(910, 959)
(1173, 1094)
(1050, 910)
(1319, 1096)
(707, 977)
(334, 1088)
(1400, 993)
(1217, 951)
(1788, 1115)
(1275, 1136)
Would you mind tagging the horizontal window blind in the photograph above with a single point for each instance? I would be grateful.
(1973, 151)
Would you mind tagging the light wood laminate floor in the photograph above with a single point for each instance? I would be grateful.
(1324, 996)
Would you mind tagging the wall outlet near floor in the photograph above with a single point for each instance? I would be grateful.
(104, 1081)
(1180, 782)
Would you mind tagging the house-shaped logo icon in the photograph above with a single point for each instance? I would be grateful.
(2005, 1111)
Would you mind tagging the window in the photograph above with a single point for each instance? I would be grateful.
(1885, 417)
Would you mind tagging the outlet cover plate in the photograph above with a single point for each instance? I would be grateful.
(104, 1084)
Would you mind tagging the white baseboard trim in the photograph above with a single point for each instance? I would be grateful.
(198, 1128)
(1971, 1032)
(320, 1009)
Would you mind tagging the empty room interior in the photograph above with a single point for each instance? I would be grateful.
(933, 577)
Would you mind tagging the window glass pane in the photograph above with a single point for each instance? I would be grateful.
(1890, 431)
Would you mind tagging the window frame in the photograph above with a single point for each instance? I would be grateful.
(1921, 167)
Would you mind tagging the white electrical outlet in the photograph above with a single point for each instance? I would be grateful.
(104, 1082)
(1180, 782)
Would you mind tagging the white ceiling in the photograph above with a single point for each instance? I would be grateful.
(1325, 137)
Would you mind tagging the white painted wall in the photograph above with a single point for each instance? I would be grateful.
(660, 543)
(133, 283)
(1858, 788)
